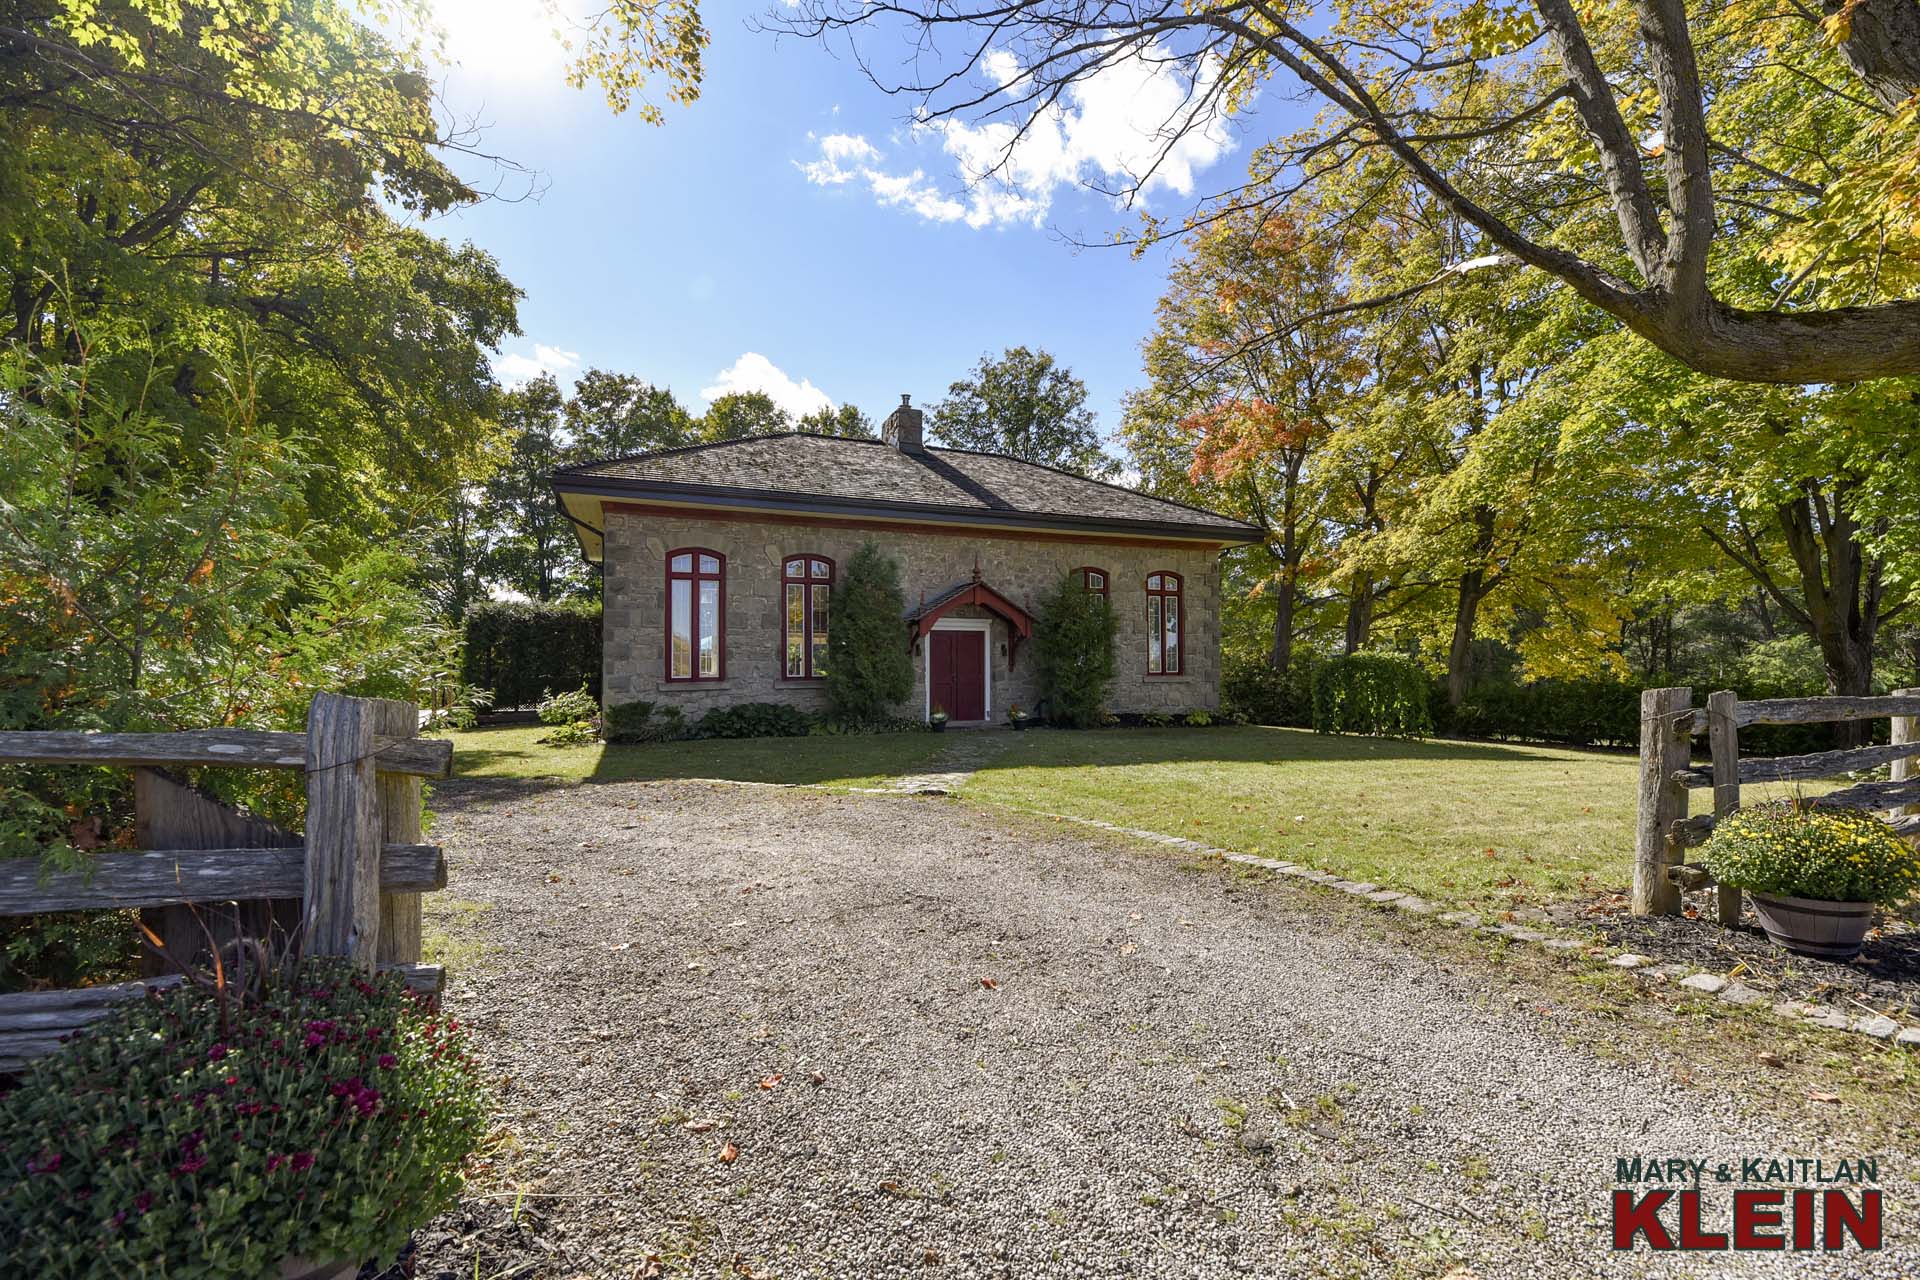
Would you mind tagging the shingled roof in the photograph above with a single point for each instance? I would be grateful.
(827, 475)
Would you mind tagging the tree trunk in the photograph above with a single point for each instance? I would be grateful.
(1460, 651)
(1841, 588)
(1280, 657)
(1882, 46)
(1360, 603)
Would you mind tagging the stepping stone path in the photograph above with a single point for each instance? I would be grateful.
(967, 751)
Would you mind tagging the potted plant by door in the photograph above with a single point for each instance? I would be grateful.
(238, 1131)
(1016, 717)
(1815, 875)
(938, 718)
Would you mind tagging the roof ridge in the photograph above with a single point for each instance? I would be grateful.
(1105, 484)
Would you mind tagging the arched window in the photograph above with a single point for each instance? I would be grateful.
(696, 614)
(1094, 580)
(807, 585)
(1164, 618)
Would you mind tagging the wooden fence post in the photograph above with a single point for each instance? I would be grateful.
(1666, 735)
(399, 824)
(343, 831)
(1723, 740)
(1906, 729)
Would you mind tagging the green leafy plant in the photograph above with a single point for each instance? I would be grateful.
(210, 1133)
(1073, 652)
(575, 733)
(754, 720)
(1156, 720)
(1795, 851)
(1198, 720)
(1377, 693)
(869, 671)
(568, 708)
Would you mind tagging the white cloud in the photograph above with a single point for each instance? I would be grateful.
(754, 372)
(1113, 131)
(516, 367)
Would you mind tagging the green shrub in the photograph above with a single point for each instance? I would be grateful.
(206, 1135)
(629, 722)
(1198, 720)
(1256, 692)
(828, 727)
(869, 671)
(576, 733)
(1156, 720)
(754, 720)
(1377, 693)
(517, 648)
(568, 708)
(1835, 855)
(1073, 652)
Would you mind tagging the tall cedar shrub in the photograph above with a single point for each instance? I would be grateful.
(1377, 693)
(520, 649)
(869, 671)
(1073, 652)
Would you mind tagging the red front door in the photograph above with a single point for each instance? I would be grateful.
(957, 675)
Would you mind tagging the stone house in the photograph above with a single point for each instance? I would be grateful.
(719, 562)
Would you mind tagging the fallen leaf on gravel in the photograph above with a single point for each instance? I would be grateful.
(553, 877)
(728, 1153)
(817, 1079)
(929, 1257)
(1770, 1058)
(1128, 949)
(1817, 1096)
(619, 946)
(701, 1126)
(768, 1082)
(651, 1269)
(988, 983)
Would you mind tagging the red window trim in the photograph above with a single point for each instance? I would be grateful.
(1176, 593)
(811, 584)
(1106, 579)
(696, 577)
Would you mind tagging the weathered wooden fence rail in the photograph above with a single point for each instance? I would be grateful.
(351, 884)
(1668, 724)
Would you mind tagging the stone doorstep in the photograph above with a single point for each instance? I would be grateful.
(1879, 1026)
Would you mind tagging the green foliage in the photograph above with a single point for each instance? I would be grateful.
(208, 1134)
(828, 727)
(1073, 652)
(845, 421)
(1023, 405)
(1375, 693)
(754, 720)
(532, 548)
(1578, 712)
(616, 415)
(626, 722)
(1198, 720)
(1250, 687)
(519, 649)
(568, 708)
(739, 414)
(869, 671)
(572, 733)
(1834, 855)
(1156, 720)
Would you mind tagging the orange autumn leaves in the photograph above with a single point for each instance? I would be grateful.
(1238, 433)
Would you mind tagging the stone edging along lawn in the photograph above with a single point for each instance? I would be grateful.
(1878, 1026)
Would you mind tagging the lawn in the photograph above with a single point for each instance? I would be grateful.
(1483, 825)
(850, 761)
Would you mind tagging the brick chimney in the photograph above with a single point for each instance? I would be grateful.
(902, 429)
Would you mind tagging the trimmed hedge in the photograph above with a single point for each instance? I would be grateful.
(1377, 693)
(519, 650)
(1254, 691)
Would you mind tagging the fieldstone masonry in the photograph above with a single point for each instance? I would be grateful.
(1021, 568)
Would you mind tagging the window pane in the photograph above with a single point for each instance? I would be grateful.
(796, 630)
(794, 567)
(683, 564)
(1153, 634)
(708, 564)
(680, 632)
(709, 628)
(1172, 661)
(1097, 581)
(820, 598)
(820, 568)
(1153, 582)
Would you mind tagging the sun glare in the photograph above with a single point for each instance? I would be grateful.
(500, 39)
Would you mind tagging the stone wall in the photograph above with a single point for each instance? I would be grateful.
(637, 543)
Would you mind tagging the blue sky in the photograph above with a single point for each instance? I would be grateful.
(790, 232)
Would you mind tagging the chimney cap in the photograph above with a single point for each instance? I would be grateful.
(906, 399)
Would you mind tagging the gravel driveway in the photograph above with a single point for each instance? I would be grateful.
(753, 1031)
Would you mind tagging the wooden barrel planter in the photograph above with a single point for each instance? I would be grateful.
(1811, 927)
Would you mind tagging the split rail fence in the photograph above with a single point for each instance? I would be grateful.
(206, 874)
(1668, 724)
